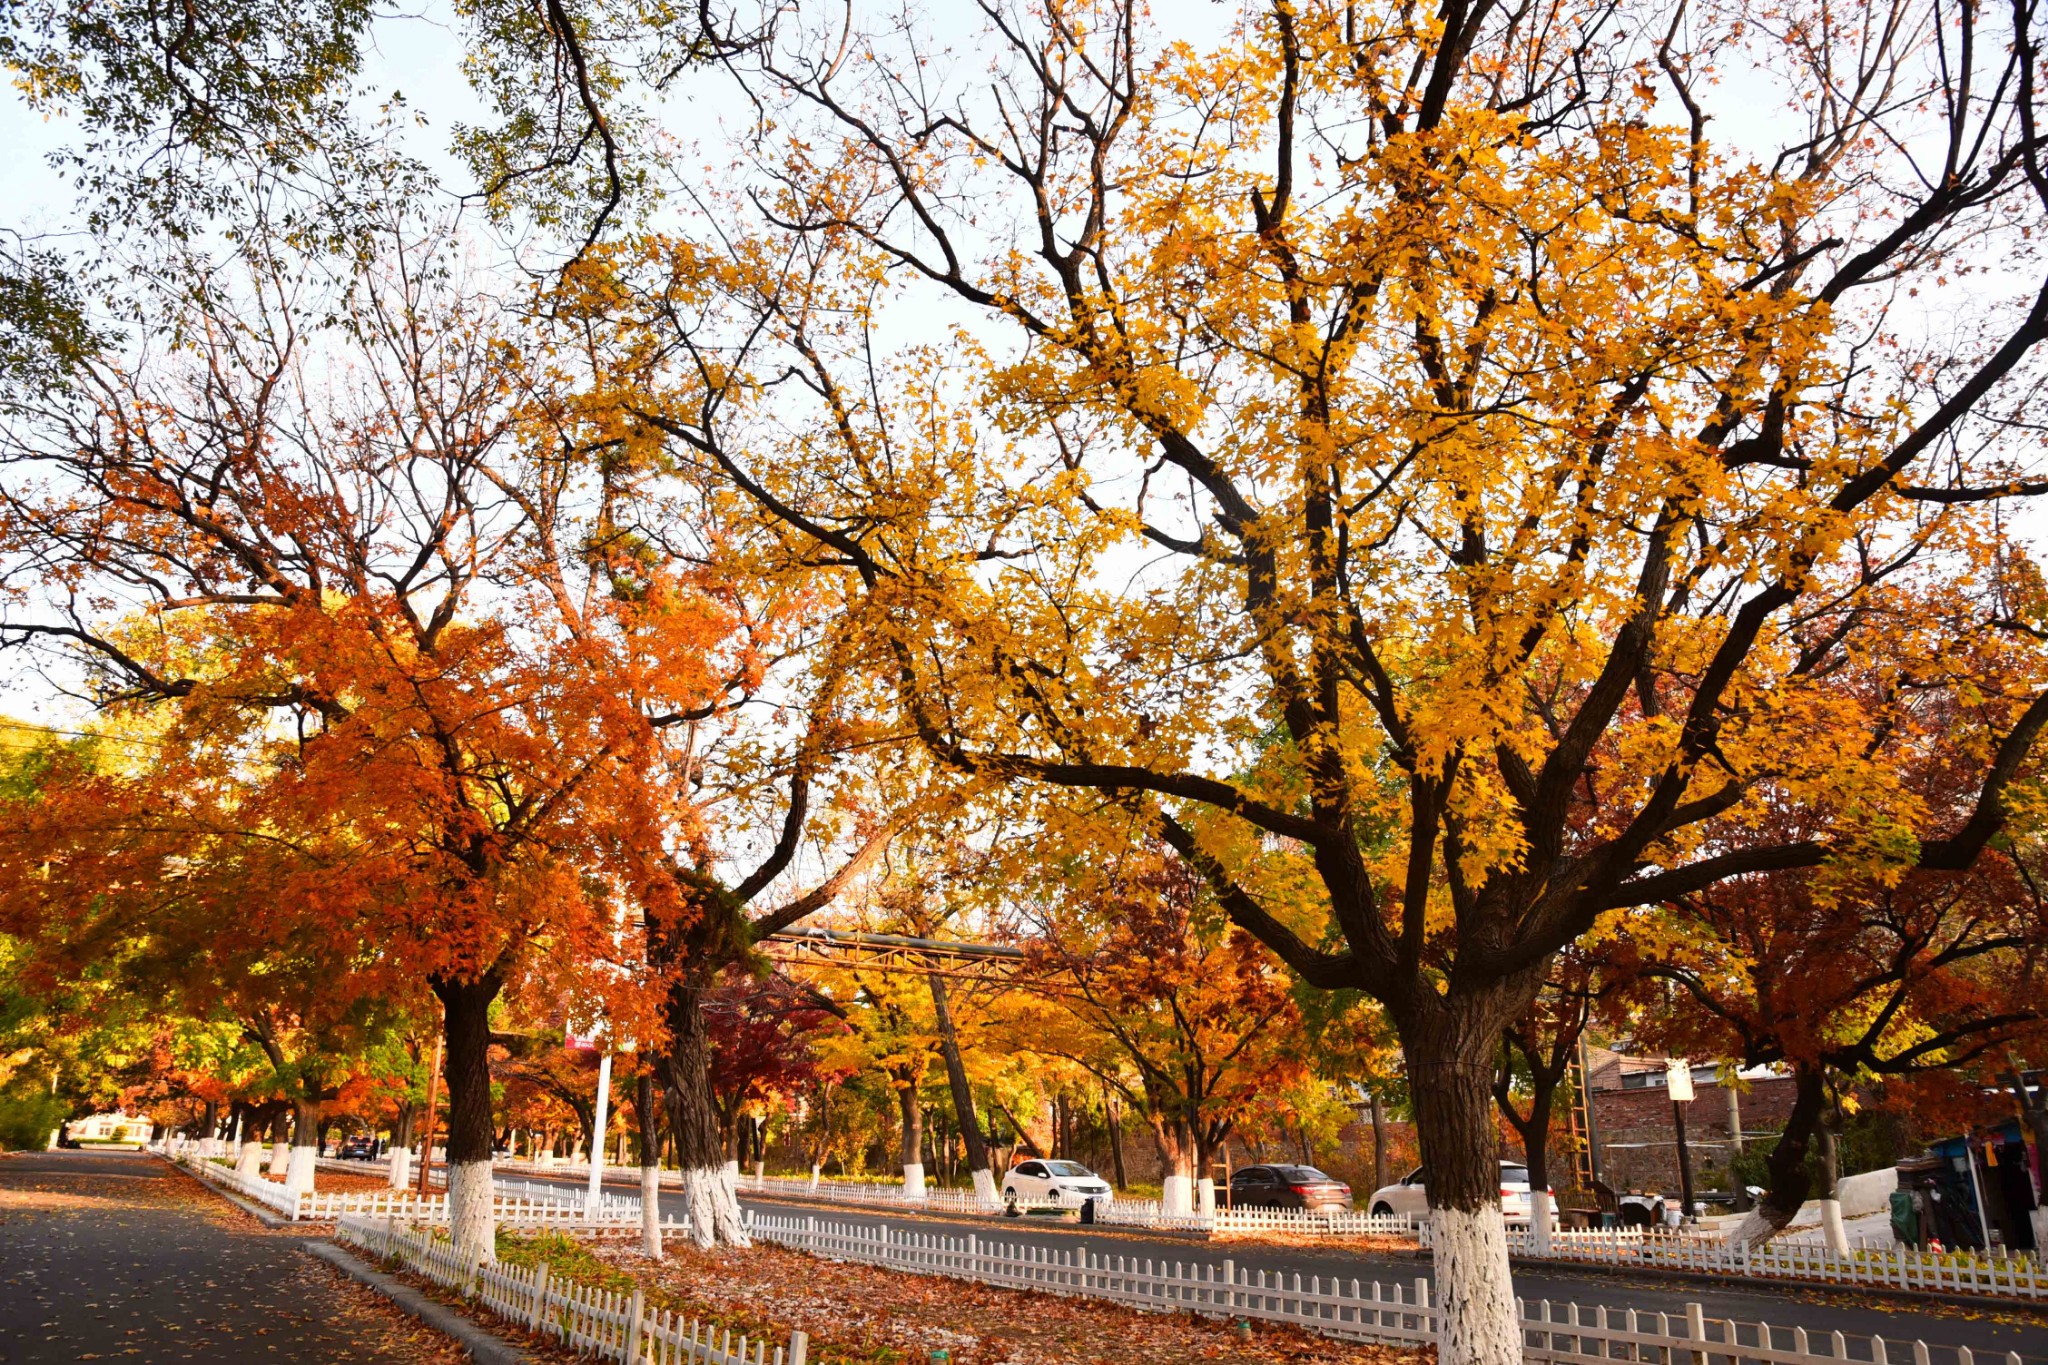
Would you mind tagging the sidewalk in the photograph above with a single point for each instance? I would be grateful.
(113, 1256)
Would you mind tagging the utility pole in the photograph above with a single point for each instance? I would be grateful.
(1678, 1078)
(427, 1142)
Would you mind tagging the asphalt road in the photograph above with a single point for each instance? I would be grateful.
(1990, 1331)
(112, 1256)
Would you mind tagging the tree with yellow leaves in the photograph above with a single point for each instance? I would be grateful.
(1400, 455)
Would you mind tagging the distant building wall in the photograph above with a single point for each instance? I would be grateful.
(1638, 1136)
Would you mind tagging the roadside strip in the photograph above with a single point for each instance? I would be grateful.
(483, 1346)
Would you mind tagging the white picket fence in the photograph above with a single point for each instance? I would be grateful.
(1147, 1214)
(1366, 1311)
(538, 1205)
(2002, 1276)
(585, 1318)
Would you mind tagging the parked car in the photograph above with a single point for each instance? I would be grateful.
(357, 1148)
(1410, 1195)
(1039, 1179)
(1288, 1187)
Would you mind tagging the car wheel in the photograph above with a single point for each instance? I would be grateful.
(1383, 1210)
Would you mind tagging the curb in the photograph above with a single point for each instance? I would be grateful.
(267, 1217)
(483, 1346)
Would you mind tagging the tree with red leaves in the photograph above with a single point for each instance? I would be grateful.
(1844, 981)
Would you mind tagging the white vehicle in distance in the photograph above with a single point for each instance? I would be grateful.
(1051, 1180)
(1410, 1195)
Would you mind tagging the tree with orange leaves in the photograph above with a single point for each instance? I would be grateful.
(1175, 1010)
(1417, 460)
(328, 541)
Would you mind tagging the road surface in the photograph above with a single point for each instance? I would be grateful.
(115, 1256)
(1990, 1331)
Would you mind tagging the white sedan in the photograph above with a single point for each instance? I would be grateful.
(1410, 1195)
(1036, 1179)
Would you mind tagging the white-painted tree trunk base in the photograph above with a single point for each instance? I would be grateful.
(280, 1158)
(1831, 1230)
(711, 1198)
(913, 1181)
(1476, 1319)
(760, 1171)
(650, 1212)
(401, 1167)
(814, 1176)
(1540, 1220)
(1205, 1197)
(249, 1161)
(471, 1223)
(985, 1189)
(547, 1158)
(1176, 1195)
(298, 1174)
(1756, 1228)
(205, 1145)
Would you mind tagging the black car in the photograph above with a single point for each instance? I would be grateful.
(1288, 1187)
(357, 1148)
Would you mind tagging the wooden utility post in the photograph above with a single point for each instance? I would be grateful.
(1678, 1077)
(427, 1141)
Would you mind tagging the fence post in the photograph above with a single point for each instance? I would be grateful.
(540, 1298)
(633, 1312)
(1696, 1329)
(1230, 1280)
(799, 1347)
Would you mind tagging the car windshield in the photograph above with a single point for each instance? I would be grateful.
(1302, 1175)
(1514, 1175)
(1067, 1168)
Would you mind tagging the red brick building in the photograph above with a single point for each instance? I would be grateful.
(1636, 1133)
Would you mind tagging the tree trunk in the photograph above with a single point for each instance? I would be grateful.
(1832, 1231)
(650, 1165)
(1114, 1121)
(1450, 1066)
(306, 1124)
(1536, 1155)
(1789, 1182)
(1177, 1192)
(466, 1010)
(708, 1190)
(280, 1140)
(910, 1150)
(963, 1094)
(399, 1155)
(249, 1154)
(1379, 1143)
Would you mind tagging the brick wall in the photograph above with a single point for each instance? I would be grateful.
(1639, 1150)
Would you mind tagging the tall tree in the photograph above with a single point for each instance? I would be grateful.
(1396, 453)
(341, 510)
(1178, 1012)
